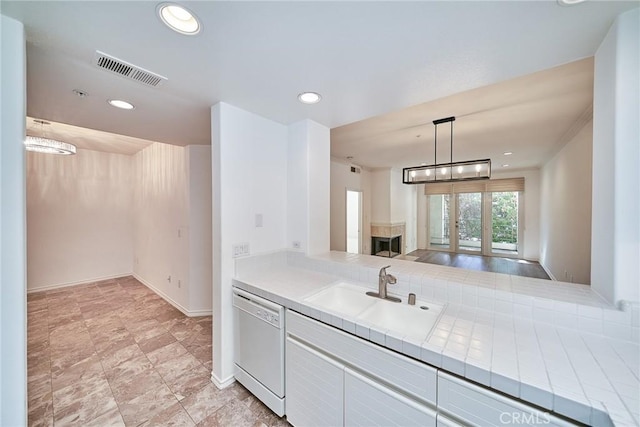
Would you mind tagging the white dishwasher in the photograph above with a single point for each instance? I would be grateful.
(259, 347)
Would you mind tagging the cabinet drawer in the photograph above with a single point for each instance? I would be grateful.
(367, 403)
(478, 406)
(415, 378)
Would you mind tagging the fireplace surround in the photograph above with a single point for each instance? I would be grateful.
(386, 246)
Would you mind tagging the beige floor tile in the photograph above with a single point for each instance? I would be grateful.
(156, 342)
(166, 353)
(143, 408)
(175, 415)
(206, 401)
(234, 413)
(109, 354)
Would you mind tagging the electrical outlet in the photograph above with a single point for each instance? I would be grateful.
(296, 244)
(169, 279)
(240, 249)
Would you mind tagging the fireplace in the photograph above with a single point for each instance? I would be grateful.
(386, 246)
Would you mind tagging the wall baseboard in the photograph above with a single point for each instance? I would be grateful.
(188, 313)
(548, 272)
(222, 384)
(79, 282)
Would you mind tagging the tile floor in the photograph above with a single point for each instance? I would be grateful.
(114, 353)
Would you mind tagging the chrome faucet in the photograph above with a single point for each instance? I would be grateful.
(383, 280)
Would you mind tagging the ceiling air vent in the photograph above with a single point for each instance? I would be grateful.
(130, 71)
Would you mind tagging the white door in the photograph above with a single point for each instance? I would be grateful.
(354, 221)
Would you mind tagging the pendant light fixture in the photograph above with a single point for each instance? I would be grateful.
(447, 172)
(47, 145)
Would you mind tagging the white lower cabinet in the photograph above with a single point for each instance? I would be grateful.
(314, 387)
(336, 379)
(369, 403)
(443, 421)
(478, 406)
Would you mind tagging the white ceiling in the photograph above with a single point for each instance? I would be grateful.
(365, 58)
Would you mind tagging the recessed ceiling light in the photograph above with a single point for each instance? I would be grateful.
(505, 166)
(569, 2)
(179, 19)
(507, 153)
(309, 98)
(118, 103)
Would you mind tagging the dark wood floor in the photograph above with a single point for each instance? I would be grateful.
(516, 267)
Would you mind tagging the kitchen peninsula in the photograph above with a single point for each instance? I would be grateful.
(555, 347)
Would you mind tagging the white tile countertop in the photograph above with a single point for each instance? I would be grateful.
(556, 345)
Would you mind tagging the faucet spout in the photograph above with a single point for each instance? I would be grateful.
(383, 280)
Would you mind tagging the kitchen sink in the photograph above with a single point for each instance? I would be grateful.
(342, 298)
(413, 321)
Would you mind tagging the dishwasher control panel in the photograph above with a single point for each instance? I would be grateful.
(268, 316)
(260, 308)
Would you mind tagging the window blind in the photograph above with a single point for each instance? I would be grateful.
(492, 185)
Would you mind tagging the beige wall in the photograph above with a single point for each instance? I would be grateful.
(565, 210)
(98, 215)
(79, 222)
(170, 184)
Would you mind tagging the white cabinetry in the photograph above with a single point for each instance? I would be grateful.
(314, 387)
(478, 406)
(335, 379)
(369, 403)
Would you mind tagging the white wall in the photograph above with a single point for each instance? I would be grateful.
(403, 200)
(172, 224)
(160, 211)
(615, 271)
(565, 210)
(308, 187)
(258, 166)
(79, 222)
(380, 194)
(13, 283)
(200, 255)
(342, 179)
(249, 162)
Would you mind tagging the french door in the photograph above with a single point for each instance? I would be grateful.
(468, 223)
(483, 223)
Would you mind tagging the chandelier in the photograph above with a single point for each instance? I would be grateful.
(447, 172)
(47, 145)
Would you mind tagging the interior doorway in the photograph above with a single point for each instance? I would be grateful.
(354, 221)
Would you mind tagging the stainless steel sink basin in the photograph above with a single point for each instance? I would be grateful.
(414, 321)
